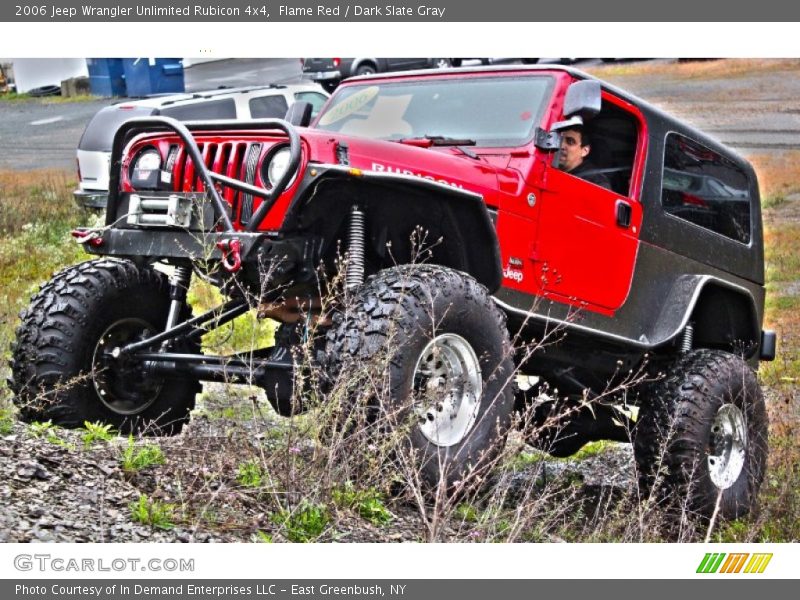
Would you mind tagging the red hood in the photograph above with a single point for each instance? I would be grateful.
(443, 164)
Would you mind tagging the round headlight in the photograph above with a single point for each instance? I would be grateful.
(149, 160)
(278, 165)
(146, 169)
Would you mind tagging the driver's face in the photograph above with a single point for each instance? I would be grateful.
(572, 153)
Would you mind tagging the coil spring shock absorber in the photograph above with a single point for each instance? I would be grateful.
(356, 243)
(178, 286)
(688, 338)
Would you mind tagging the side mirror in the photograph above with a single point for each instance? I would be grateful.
(299, 114)
(583, 99)
(582, 102)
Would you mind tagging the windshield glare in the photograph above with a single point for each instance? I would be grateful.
(497, 111)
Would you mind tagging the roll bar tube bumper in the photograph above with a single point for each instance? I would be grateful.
(184, 131)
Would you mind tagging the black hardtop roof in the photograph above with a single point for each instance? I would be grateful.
(650, 112)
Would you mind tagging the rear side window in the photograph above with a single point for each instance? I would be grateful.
(705, 188)
(99, 133)
(268, 107)
(202, 111)
(315, 99)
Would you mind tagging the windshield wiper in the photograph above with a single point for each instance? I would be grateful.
(440, 140)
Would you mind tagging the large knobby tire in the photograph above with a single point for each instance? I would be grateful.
(447, 368)
(701, 436)
(58, 368)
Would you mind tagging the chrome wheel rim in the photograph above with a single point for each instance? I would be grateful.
(122, 387)
(728, 446)
(447, 389)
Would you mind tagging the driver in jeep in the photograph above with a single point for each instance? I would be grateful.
(574, 153)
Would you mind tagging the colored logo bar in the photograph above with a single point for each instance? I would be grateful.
(735, 562)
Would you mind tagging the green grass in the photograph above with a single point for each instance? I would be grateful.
(522, 460)
(369, 503)
(527, 458)
(779, 303)
(6, 421)
(782, 257)
(773, 201)
(592, 449)
(47, 431)
(14, 97)
(137, 458)
(305, 523)
(250, 474)
(41, 428)
(159, 515)
(80, 99)
(262, 537)
(782, 261)
(97, 432)
(467, 512)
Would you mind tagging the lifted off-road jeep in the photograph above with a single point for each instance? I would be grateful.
(443, 192)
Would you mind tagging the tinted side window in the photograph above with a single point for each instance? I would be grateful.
(202, 111)
(268, 107)
(705, 188)
(315, 99)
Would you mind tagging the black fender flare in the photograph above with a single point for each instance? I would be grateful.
(721, 313)
(467, 240)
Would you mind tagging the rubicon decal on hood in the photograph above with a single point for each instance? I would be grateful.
(381, 168)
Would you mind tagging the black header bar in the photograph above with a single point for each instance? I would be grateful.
(300, 11)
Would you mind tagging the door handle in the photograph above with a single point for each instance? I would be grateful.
(624, 213)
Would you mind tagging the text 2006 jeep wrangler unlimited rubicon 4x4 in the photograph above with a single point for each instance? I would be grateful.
(661, 265)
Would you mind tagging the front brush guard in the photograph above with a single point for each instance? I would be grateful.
(138, 125)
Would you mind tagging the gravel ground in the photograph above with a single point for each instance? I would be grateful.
(62, 492)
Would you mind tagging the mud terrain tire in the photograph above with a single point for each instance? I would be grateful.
(58, 341)
(408, 320)
(702, 435)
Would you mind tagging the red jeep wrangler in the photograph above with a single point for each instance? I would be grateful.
(444, 191)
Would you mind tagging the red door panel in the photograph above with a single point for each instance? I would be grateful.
(582, 254)
(516, 235)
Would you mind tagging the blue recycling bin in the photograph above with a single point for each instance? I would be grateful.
(106, 76)
(148, 76)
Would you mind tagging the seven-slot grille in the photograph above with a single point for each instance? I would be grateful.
(238, 160)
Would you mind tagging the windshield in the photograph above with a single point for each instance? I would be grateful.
(496, 111)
